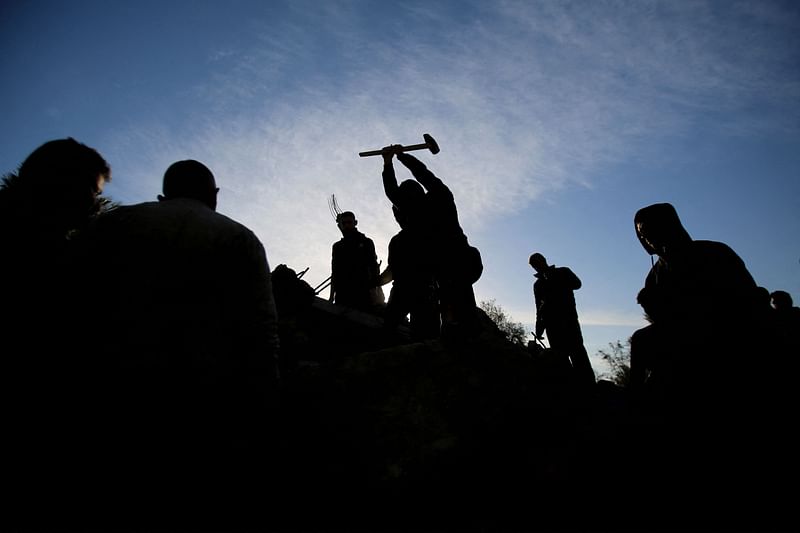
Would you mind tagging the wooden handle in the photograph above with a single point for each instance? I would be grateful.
(403, 148)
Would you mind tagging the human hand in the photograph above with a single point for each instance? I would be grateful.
(389, 151)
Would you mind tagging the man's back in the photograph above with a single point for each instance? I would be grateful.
(187, 286)
(186, 375)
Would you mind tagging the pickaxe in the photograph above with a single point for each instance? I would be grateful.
(429, 144)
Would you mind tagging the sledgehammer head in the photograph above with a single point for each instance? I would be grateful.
(431, 142)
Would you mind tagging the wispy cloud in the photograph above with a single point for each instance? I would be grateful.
(524, 98)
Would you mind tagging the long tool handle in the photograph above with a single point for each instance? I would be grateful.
(404, 148)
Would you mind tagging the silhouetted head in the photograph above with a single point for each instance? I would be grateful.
(781, 300)
(190, 179)
(65, 177)
(643, 298)
(410, 194)
(346, 221)
(538, 262)
(659, 229)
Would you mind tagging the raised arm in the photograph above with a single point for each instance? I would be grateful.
(421, 173)
(390, 186)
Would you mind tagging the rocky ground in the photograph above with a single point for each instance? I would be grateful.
(369, 431)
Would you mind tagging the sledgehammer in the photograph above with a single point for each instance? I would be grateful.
(429, 144)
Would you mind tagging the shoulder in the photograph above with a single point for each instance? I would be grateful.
(222, 229)
(133, 212)
(226, 222)
(713, 252)
(712, 247)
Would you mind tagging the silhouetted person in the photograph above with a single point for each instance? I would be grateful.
(706, 385)
(354, 266)
(786, 317)
(192, 334)
(557, 315)
(699, 297)
(646, 355)
(43, 331)
(203, 278)
(433, 220)
(411, 272)
(53, 194)
(782, 301)
(785, 310)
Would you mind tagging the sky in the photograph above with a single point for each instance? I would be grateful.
(557, 120)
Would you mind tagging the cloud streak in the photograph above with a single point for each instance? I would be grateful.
(524, 98)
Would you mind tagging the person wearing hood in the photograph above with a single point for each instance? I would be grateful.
(698, 292)
(693, 281)
(699, 297)
(687, 366)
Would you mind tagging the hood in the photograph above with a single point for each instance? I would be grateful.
(659, 228)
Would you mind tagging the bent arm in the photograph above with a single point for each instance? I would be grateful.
(570, 280)
(421, 173)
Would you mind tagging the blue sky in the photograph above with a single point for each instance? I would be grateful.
(556, 120)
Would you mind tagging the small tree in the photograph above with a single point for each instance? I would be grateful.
(619, 359)
(514, 331)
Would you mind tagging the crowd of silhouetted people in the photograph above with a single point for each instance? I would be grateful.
(140, 342)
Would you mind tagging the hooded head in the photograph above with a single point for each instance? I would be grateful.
(190, 179)
(659, 229)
